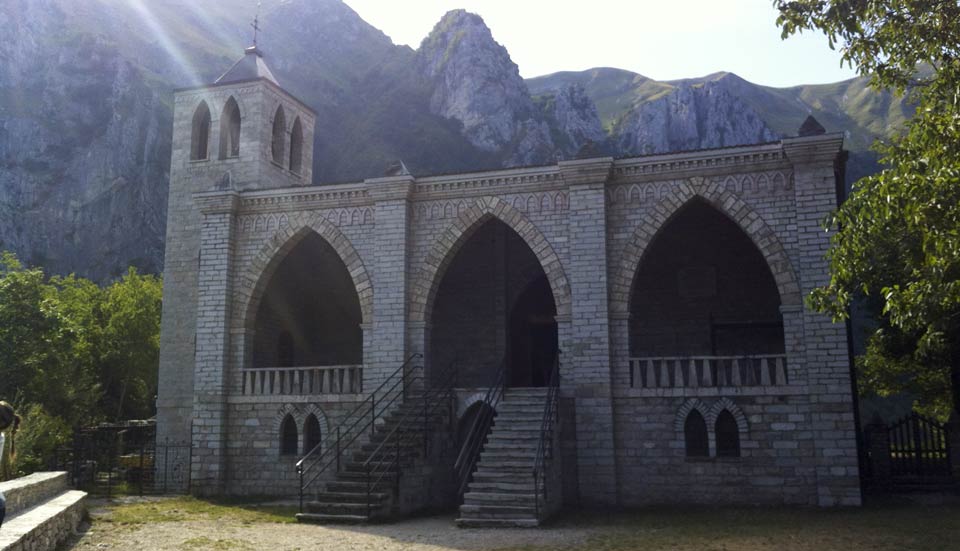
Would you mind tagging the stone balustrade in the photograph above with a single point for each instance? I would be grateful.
(708, 371)
(333, 379)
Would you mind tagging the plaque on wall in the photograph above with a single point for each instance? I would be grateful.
(697, 282)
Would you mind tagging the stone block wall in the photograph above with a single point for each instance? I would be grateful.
(588, 224)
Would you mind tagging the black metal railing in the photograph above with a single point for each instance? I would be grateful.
(479, 429)
(551, 413)
(413, 424)
(361, 420)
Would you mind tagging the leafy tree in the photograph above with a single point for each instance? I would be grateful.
(898, 238)
(73, 353)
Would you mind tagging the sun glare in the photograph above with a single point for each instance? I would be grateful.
(192, 75)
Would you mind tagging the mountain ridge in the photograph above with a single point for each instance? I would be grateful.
(86, 111)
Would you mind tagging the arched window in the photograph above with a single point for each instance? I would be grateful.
(296, 147)
(279, 134)
(200, 135)
(288, 436)
(311, 434)
(285, 350)
(728, 435)
(695, 435)
(230, 130)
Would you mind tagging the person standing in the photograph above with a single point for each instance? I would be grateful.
(9, 422)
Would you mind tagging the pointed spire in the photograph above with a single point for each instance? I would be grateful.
(251, 66)
(811, 127)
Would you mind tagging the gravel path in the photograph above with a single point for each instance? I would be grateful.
(423, 534)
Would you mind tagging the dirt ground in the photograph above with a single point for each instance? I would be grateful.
(230, 532)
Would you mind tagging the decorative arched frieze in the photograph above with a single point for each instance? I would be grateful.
(725, 201)
(449, 241)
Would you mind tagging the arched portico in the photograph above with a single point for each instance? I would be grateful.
(494, 264)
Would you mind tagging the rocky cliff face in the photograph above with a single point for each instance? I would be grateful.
(694, 116)
(84, 148)
(573, 117)
(475, 82)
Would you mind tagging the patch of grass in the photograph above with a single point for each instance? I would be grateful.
(182, 509)
(204, 542)
(887, 527)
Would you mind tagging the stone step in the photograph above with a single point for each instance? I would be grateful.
(518, 474)
(346, 508)
(359, 486)
(349, 497)
(499, 499)
(27, 491)
(502, 486)
(331, 519)
(496, 522)
(527, 445)
(497, 511)
(46, 525)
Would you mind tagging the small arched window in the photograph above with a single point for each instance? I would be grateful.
(296, 147)
(728, 435)
(279, 133)
(311, 434)
(230, 130)
(288, 436)
(285, 350)
(695, 435)
(200, 134)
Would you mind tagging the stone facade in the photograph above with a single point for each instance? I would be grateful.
(588, 223)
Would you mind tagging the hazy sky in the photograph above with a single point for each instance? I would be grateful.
(662, 39)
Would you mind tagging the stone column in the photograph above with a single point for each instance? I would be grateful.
(953, 443)
(388, 348)
(208, 468)
(827, 363)
(587, 354)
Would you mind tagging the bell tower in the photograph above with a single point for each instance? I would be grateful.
(243, 132)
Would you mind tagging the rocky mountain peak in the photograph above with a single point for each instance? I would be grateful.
(475, 82)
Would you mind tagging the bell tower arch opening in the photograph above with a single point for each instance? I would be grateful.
(494, 304)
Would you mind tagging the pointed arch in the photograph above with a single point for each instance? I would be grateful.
(275, 249)
(729, 204)
(312, 433)
(289, 436)
(726, 404)
(230, 125)
(449, 242)
(200, 133)
(278, 141)
(296, 147)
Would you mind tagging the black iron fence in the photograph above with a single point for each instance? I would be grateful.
(125, 459)
(913, 451)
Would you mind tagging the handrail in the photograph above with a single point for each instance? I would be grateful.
(319, 457)
(433, 399)
(550, 410)
(470, 452)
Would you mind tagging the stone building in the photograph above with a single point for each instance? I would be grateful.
(666, 291)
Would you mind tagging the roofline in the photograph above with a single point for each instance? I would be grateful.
(269, 82)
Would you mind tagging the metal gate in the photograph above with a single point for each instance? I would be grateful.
(919, 450)
(125, 459)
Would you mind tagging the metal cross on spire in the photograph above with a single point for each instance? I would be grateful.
(256, 25)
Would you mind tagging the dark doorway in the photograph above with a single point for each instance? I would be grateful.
(494, 307)
(533, 336)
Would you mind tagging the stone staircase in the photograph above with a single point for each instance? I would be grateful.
(41, 512)
(501, 491)
(346, 499)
